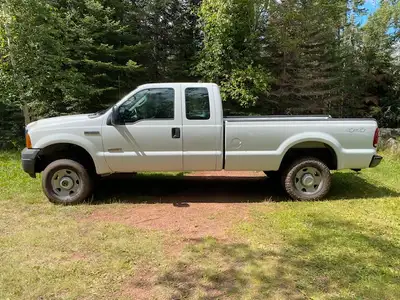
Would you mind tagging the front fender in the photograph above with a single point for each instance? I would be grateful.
(92, 147)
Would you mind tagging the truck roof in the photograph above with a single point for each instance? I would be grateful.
(175, 84)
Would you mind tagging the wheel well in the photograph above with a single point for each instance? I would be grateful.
(64, 151)
(318, 150)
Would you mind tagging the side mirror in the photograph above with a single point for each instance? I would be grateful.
(114, 116)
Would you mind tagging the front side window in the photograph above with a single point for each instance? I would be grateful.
(148, 104)
(197, 104)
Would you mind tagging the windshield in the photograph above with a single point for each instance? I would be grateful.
(103, 111)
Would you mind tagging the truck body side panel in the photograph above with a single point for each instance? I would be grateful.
(260, 144)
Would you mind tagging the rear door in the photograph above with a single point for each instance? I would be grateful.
(202, 130)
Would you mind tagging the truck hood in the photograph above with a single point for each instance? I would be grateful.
(56, 121)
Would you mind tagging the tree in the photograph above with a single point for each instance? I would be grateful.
(33, 68)
(307, 55)
(99, 46)
(232, 49)
(382, 74)
(169, 38)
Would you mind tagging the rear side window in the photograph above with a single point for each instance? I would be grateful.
(197, 104)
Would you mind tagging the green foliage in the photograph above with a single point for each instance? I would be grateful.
(11, 126)
(381, 71)
(231, 53)
(34, 69)
(244, 86)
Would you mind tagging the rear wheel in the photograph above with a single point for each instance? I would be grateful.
(307, 179)
(66, 182)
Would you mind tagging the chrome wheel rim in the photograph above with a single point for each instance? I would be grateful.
(65, 183)
(308, 180)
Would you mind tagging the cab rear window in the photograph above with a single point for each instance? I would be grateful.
(197, 104)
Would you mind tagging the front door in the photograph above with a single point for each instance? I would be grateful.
(150, 138)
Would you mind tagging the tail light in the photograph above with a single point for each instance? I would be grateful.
(376, 138)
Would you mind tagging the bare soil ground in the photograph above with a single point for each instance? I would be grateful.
(197, 205)
(193, 221)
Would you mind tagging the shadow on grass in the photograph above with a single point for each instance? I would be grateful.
(185, 189)
(334, 259)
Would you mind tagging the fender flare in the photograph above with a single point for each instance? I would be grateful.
(312, 137)
(53, 139)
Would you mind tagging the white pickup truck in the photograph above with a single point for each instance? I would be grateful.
(180, 127)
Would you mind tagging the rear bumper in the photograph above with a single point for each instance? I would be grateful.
(376, 160)
(28, 158)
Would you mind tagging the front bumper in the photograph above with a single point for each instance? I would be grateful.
(28, 158)
(376, 160)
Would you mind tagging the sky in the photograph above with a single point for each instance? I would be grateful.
(370, 6)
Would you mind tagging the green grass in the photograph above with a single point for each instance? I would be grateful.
(345, 248)
(339, 249)
(52, 252)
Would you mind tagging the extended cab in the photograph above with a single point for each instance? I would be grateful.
(180, 127)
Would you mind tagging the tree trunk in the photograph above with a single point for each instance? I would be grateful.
(27, 116)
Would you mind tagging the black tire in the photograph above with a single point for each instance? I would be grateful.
(83, 184)
(291, 183)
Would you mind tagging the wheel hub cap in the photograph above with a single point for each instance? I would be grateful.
(66, 183)
(308, 180)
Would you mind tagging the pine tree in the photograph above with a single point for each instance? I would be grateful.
(169, 38)
(98, 49)
(304, 55)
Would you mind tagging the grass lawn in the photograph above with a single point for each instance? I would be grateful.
(347, 247)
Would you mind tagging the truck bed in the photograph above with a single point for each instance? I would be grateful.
(260, 142)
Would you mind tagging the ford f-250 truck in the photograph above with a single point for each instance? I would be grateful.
(180, 127)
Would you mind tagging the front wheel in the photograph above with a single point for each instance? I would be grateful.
(307, 179)
(66, 182)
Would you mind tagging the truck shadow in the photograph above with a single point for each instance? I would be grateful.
(180, 190)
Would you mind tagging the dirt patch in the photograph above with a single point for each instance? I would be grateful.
(198, 205)
(78, 256)
(188, 220)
